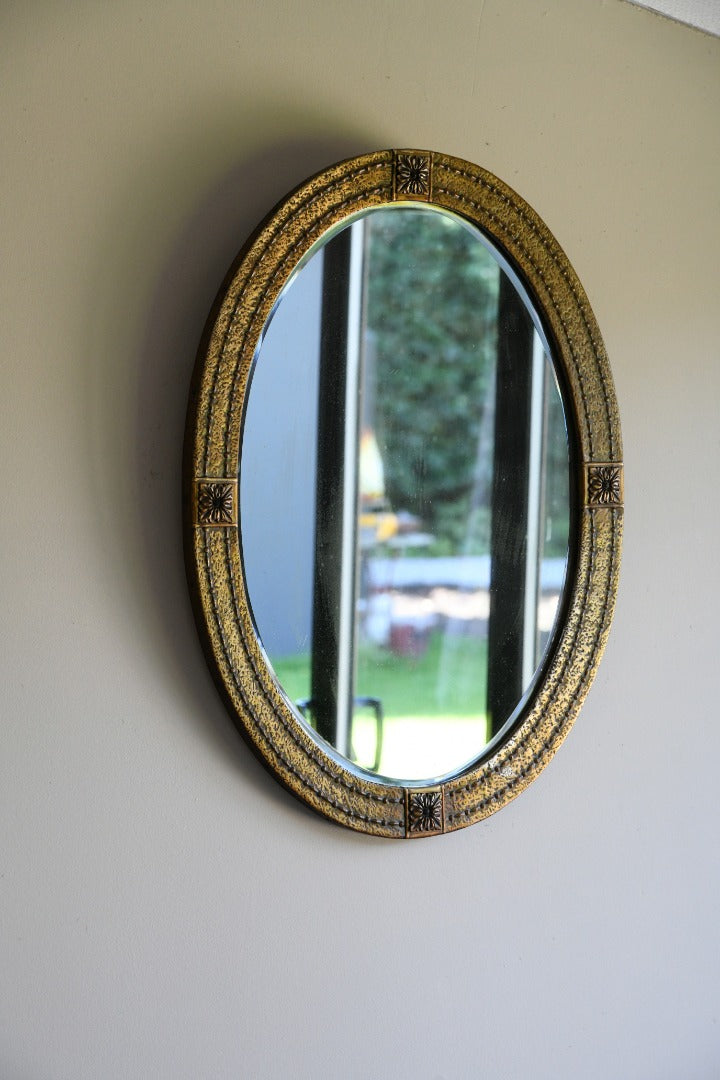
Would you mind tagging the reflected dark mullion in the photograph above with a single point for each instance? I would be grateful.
(508, 536)
(336, 538)
(330, 485)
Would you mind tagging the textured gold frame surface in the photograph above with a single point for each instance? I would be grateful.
(212, 540)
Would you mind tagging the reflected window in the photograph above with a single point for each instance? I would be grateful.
(419, 448)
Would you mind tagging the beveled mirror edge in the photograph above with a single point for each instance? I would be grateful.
(211, 523)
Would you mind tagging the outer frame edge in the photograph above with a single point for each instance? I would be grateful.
(216, 584)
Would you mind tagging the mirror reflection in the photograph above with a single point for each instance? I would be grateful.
(404, 493)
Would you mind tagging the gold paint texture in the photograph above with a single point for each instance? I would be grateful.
(220, 384)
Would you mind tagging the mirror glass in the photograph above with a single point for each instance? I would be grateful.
(404, 493)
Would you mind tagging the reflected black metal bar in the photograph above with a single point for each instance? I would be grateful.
(306, 705)
(329, 485)
(336, 514)
(376, 705)
(508, 537)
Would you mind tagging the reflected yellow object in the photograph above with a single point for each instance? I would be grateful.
(383, 523)
(372, 472)
(374, 518)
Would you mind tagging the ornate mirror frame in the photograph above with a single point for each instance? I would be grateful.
(212, 539)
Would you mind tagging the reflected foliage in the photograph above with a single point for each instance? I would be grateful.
(432, 313)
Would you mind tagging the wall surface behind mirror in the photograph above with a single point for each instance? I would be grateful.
(165, 909)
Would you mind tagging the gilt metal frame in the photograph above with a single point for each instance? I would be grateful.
(211, 516)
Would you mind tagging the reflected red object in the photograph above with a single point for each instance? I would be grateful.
(408, 640)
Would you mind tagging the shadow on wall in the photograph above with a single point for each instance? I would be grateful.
(139, 525)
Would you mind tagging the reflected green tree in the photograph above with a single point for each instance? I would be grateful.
(432, 314)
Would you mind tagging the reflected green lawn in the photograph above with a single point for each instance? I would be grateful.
(434, 703)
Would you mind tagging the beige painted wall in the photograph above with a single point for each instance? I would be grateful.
(165, 910)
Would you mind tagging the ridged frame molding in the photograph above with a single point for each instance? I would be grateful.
(212, 541)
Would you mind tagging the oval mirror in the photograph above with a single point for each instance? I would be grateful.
(404, 497)
(420, 455)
